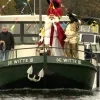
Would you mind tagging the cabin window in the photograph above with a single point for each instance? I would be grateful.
(31, 28)
(13, 28)
(89, 28)
(30, 39)
(17, 40)
(88, 38)
(84, 28)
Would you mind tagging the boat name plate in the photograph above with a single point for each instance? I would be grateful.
(64, 60)
(20, 61)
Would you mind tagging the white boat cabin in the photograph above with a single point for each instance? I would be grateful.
(25, 29)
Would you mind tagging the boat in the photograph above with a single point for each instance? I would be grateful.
(27, 69)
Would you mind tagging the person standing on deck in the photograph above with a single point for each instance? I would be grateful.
(94, 27)
(71, 32)
(6, 43)
(53, 32)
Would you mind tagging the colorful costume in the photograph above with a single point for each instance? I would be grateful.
(94, 27)
(53, 34)
(71, 41)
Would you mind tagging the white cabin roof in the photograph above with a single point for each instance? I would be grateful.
(27, 18)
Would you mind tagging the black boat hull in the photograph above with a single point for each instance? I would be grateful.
(56, 75)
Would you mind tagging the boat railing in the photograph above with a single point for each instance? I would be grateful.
(89, 28)
(37, 51)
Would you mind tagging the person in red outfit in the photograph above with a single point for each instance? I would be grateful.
(53, 35)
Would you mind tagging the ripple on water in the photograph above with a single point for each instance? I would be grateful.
(28, 94)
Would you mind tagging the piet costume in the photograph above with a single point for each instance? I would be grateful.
(53, 34)
(71, 32)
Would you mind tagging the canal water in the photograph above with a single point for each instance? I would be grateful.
(28, 94)
(58, 94)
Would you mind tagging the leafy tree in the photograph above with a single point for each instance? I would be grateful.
(27, 6)
(84, 7)
(9, 7)
(79, 7)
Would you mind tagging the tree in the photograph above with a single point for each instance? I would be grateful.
(79, 7)
(9, 7)
(84, 7)
(25, 7)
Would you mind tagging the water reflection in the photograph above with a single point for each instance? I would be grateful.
(45, 95)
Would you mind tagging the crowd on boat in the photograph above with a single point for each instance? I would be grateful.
(56, 40)
(63, 41)
(59, 41)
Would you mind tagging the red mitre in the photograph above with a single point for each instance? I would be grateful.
(53, 9)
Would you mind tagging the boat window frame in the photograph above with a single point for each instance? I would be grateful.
(83, 19)
(21, 34)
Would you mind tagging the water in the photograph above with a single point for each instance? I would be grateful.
(58, 94)
(28, 94)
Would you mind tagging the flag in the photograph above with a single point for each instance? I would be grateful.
(12, 27)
